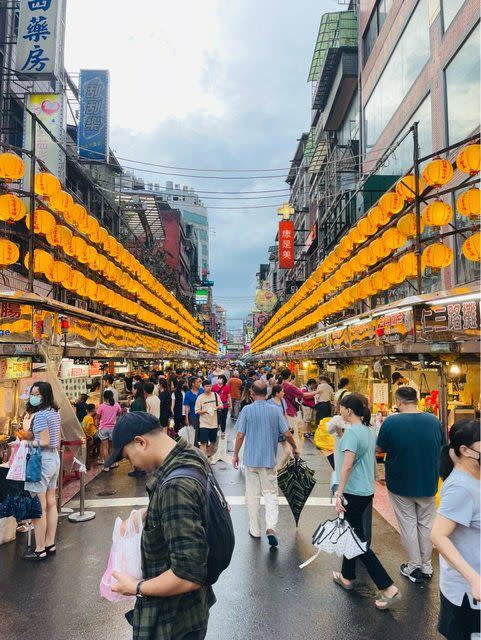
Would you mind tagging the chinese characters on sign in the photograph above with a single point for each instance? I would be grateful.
(94, 112)
(458, 321)
(286, 244)
(15, 368)
(40, 39)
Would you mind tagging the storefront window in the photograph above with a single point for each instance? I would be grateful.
(462, 90)
(406, 62)
(450, 9)
(466, 270)
(402, 158)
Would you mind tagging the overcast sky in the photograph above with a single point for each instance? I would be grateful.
(218, 84)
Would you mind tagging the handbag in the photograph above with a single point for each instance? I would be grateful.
(33, 470)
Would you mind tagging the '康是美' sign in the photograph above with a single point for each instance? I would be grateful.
(40, 39)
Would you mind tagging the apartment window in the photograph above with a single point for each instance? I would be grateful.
(400, 161)
(462, 90)
(405, 64)
(374, 26)
(450, 9)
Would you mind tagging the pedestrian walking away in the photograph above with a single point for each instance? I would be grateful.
(412, 442)
(260, 425)
(173, 597)
(223, 390)
(354, 495)
(106, 417)
(235, 386)
(45, 435)
(190, 398)
(324, 398)
(456, 534)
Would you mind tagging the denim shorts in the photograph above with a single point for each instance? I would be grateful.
(105, 434)
(50, 470)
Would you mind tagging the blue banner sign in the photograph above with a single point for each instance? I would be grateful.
(93, 130)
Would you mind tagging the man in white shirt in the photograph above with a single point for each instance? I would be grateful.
(323, 399)
(152, 401)
(206, 406)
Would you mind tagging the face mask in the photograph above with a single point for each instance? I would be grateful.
(35, 401)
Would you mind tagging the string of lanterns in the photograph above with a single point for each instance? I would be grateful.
(308, 301)
(124, 270)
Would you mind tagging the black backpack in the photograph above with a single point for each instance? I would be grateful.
(219, 528)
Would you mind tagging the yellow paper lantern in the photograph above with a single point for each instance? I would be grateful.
(407, 225)
(469, 159)
(393, 273)
(393, 239)
(366, 257)
(406, 187)
(9, 252)
(468, 204)
(437, 214)
(437, 256)
(59, 236)
(42, 261)
(92, 227)
(79, 249)
(46, 184)
(409, 264)
(438, 172)
(356, 236)
(377, 217)
(11, 167)
(91, 255)
(74, 281)
(378, 282)
(12, 208)
(366, 227)
(379, 248)
(103, 235)
(43, 221)
(61, 201)
(472, 248)
(346, 243)
(58, 272)
(391, 202)
(365, 288)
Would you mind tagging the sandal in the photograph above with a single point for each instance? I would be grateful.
(384, 602)
(35, 555)
(337, 577)
(51, 549)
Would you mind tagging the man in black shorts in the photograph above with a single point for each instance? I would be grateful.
(206, 406)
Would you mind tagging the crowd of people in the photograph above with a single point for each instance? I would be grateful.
(140, 416)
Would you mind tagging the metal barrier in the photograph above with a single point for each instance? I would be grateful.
(62, 511)
(81, 515)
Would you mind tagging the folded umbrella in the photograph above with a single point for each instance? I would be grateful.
(296, 481)
(337, 537)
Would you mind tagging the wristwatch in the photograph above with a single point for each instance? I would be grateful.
(138, 593)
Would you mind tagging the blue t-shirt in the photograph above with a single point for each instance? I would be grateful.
(460, 503)
(262, 424)
(190, 400)
(412, 442)
(360, 440)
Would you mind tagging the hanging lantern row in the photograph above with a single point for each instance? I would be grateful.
(437, 173)
(12, 167)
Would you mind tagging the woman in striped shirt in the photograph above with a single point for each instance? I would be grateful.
(46, 435)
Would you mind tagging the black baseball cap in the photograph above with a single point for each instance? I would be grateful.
(136, 423)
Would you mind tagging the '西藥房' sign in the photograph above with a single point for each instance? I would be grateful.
(40, 41)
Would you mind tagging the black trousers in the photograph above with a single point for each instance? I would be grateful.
(222, 418)
(355, 508)
(195, 635)
(323, 410)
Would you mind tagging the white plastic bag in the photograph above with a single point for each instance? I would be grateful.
(188, 433)
(125, 556)
(18, 461)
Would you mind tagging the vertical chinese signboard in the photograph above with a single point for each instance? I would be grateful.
(94, 115)
(50, 110)
(286, 244)
(40, 39)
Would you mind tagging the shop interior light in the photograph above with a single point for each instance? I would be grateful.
(454, 369)
(454, 299)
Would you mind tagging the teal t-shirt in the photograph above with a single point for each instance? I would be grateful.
(412, 442)
(360, 440)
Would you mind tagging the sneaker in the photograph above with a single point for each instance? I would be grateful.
(415, 576)
(426, 576)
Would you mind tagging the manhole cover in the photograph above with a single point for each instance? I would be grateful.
(102, 494)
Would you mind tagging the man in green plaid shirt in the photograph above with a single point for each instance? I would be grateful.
(173, 600)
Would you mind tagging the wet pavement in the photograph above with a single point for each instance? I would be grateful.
(263, 594)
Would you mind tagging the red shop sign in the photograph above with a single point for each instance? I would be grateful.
(286, 244)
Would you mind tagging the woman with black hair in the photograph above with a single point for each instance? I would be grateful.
(165, 402)
(45, 426)
(456, 533)
(223, 390)
(355, 494)
(177, 406)
(106, 418)
(138, 393)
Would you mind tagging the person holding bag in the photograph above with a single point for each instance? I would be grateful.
(355, 494)
(46, 438)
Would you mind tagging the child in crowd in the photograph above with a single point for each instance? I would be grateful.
(88, 423)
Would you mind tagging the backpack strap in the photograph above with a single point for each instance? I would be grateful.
(186, 472)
